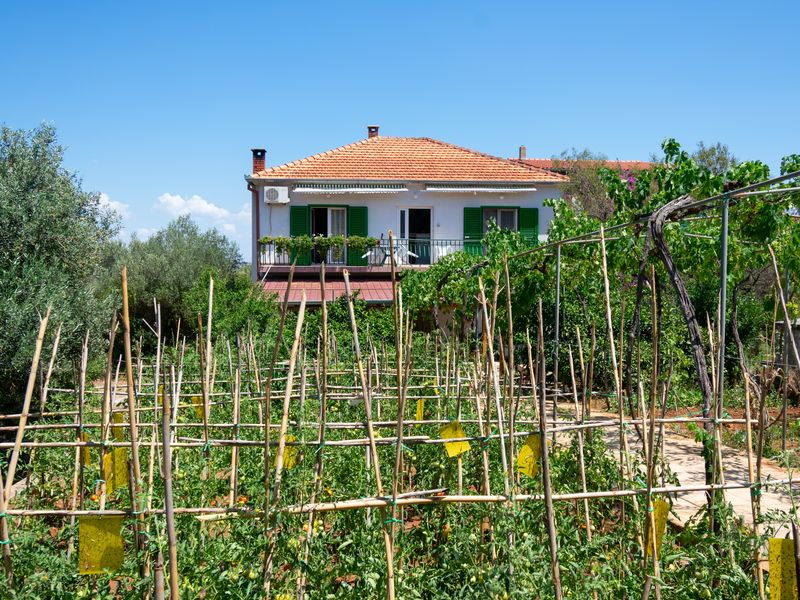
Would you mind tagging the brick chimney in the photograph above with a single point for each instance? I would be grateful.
(372, 131)
(259, 159)
(523, 152)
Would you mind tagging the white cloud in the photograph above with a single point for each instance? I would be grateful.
(232, 223)
(176, 205)
(121, 209)
(244, 213)
(143, 233)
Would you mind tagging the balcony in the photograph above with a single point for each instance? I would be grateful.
(408, 253)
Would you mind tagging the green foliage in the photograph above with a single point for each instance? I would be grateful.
(239, 305)
(167, 267)
(585, 186)
(375, 322)
(52, 236)
(322, 244)
(717, 158)
(442, 551)
(451, 285)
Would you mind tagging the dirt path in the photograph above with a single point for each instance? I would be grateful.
(685, 460)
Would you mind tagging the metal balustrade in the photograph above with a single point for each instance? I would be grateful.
(407, 252)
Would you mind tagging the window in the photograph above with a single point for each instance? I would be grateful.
(506, 218)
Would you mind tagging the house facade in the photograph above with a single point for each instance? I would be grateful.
(436, 198)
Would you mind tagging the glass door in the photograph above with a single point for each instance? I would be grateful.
(419, 236)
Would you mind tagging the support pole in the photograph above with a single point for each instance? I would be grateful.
(723, 305)
(557, 332)
(168, 504)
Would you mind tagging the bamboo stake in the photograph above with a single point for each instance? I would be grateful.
(581, 463)
(583, 372)
(233, 485)
(510, 369)
(423, 498)
(268, 557)
(495, 383)
(26, 404)
(77, 473)
(648, 442)
(105, 408)
(136, 488)
(398, 454)
(548, 492)
(268, 400)
(50, 366)
(323, 409)
(158, 576)
(172, 549)
(209, 361)
(613, 352)
(390, 594)
(787, 318)
(754, 505)
(590, 376)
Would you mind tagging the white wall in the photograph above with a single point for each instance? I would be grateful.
(448, 209)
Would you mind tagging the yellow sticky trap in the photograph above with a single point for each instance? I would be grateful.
(660, 514)
(86, 456)
(290, 455)
(118, 432)
(99, 544)
(198, 407)
(420, 414)
(529, 454)
(450, 431)
(115, 469)
(782, 577)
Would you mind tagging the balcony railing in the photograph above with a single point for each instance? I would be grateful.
(407, 252)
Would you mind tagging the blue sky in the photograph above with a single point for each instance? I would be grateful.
(159, 103)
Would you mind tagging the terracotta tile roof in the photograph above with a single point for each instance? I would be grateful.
(378, 292)
(558, 164)
(383, 158)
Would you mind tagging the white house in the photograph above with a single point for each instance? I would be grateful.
(437, 198)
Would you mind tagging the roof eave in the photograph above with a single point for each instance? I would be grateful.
(489, 182)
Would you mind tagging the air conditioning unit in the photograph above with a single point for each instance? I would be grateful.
(276, 195)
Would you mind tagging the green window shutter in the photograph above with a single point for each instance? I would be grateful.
(300, 224)
(473, 229)
(357, 224)
(528, 221)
